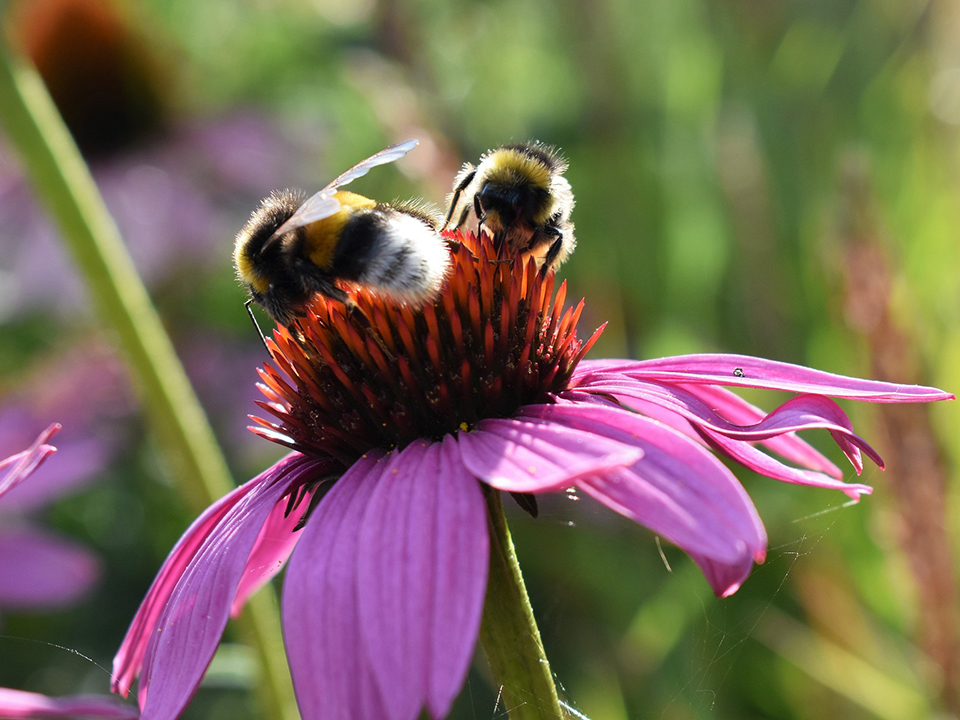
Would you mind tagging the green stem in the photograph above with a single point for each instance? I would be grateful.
(509, 634)
(62, 181)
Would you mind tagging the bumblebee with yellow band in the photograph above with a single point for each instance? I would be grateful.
(518, 194)
(292, 248)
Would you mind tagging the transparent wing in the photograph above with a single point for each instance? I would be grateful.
(387, 155)
(324, 203)
(317, 207)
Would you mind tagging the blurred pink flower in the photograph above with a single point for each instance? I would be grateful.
(39, 570)
(15, 704)
(87, 391)
(395, 414)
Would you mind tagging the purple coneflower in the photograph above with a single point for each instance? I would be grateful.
(403, 421)
(18, 703)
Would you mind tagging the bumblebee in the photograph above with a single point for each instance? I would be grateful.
(519, 196)
(292, 248)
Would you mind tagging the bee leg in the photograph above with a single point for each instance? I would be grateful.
(256, 325)
(551, 257)
(481, 215)
(335, 293)
(457, 192)
(463, 216)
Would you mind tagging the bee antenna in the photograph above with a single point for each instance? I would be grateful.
(256, 325)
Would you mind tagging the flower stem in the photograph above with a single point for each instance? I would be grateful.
(62, 181)
(509, 634)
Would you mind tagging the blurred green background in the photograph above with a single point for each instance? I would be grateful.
(778, 179)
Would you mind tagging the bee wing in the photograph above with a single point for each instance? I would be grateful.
(317, 207)
(387, 155)
(324, 203)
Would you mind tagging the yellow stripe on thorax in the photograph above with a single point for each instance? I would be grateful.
(509, 166)
(322, 236)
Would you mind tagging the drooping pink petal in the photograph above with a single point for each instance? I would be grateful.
(17, 704)
(41, 571)
(726, 578)
(530, 455)
(18, 467)
(422, 569)
(747, 371)
(738, 411)
(332, 676)
(188, 630)
(758, 461)
(129, 658)
(743, 452)
(804, 412)
(276, 541)
(678, 489)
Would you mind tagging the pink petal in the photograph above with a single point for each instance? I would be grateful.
(18, 467)
(423, 556)
(185, 613)
(41, 571)
(530, 455)
(742, 452)
(805, 412)
(740, 412)
(678, 488)
(190, 627)
(16, 704)
(647, 409)
(86, 457)
(274, 545)
(726, 578)
(760, 462)
(332, 676)
(129, 658)
(461, 580)
(746, 371)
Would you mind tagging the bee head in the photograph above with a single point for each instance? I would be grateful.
(516, 183)
(256, 254)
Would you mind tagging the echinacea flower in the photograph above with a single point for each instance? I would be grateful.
(401, 420)
(15, 704)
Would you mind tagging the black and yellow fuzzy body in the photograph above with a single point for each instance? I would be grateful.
(392, 249)
(518, 195)
(294, 246)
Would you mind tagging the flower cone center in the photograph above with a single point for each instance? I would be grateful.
(380, 374)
